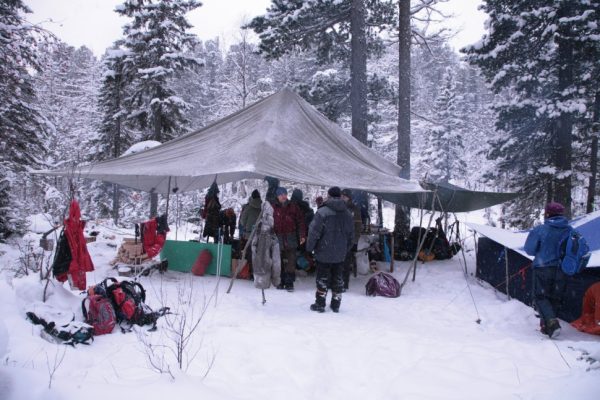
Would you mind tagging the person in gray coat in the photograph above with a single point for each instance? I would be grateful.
(330, 236)
(265, 251)
(250, 213)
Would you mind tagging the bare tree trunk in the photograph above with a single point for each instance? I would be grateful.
(153, 203)
(158, 136)
(564, 125)
(402, 219)
(358, 71)
(115, 203)
(594, 156)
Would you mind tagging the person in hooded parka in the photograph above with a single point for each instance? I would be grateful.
(330, 236)
(211, 213)
(266, 260)
(250, 213)
(306, 209)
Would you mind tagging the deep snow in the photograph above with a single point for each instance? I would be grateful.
(426, 344)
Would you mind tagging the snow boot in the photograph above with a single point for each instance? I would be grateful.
(336, 300)
(284, 281)
(553, 328)
(289, 286)
(319, 305)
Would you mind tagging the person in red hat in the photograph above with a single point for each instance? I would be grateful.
(548, 278)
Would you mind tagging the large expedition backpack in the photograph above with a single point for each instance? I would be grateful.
(574, 252)
(99, 312)
(128, 300)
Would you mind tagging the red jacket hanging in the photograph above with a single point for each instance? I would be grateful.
(81, 262)
(152, 240)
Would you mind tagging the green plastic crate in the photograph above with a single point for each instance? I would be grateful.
(182, 255)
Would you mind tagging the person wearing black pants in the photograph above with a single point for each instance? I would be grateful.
(330, 236)
(548, 279)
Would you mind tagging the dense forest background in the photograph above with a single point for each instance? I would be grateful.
(516, 111)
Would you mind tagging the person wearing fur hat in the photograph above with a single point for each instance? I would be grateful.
(330, 236)
(291, 233)
(548, 278)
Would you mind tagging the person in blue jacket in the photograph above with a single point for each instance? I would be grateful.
(548, 278)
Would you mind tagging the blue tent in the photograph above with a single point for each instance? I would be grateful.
(502, 263)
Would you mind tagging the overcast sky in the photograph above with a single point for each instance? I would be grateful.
(93, 23)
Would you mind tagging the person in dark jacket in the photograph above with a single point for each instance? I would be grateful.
(306, 209)
(250, 214)
(548, 279)
(291, 233)
(319, 201)
(211, 213)
(330, 236)
(227, 219)
(350, 261)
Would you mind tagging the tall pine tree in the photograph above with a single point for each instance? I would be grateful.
(22, 128)
(532, 52)
(444, 154)
(159, 49)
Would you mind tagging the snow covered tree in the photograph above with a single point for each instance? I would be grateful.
(202, 88)
(159, 49)
(444, 154)
(114, 135)
(533, 54)
(158, 46)
(243, 74)
(337, 30)
(68, 89)
(22, 127)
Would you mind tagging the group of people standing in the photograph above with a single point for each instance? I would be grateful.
(287, 227)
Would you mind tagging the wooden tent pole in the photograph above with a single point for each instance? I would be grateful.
(419, 235)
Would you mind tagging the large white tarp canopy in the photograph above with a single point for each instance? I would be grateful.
(281, 136)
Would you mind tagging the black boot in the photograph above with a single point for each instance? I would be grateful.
(289, 286)
(319, 305)
(336, 300)
(284, 280)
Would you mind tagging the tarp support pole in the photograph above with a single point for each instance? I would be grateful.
(506, 267)
(392, 251)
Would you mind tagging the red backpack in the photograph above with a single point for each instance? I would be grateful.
(99, 313)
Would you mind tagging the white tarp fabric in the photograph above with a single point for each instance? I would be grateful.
(281, 136)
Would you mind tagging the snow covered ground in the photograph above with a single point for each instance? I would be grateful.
(426, 344)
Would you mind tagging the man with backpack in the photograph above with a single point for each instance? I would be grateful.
(544, 242)
(330, 236)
